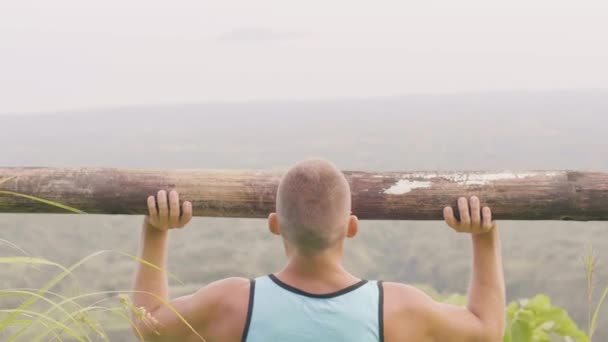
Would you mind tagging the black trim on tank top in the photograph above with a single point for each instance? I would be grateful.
(249, 310)
(380, 311)
(316, 295)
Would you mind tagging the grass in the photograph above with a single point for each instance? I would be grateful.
(38, 199)
(43, 315)
(590, 262)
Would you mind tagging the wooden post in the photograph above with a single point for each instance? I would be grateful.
(537, 195)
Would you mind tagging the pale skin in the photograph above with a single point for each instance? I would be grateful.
(217, 312)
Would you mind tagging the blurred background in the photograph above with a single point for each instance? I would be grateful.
(377, 86)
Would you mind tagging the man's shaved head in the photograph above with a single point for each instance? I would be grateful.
(313, 205)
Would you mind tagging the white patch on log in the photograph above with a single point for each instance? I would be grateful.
(482, 178)
(404, 186)
(425, 175)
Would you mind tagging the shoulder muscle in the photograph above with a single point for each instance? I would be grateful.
(409, 311)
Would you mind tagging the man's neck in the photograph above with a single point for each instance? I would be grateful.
(320, 272)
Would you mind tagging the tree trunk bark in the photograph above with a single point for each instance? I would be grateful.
(537, 195)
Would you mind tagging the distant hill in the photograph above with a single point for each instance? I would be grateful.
(502, 130)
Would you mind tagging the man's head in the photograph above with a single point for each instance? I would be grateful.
(313, 207)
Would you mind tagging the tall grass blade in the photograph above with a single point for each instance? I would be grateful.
(13, 246)
(597, 313)
(30, 301)
(52, 303)
(131, 323)
(84, 322)
(65, 328)
(7, 179)
(42, 200)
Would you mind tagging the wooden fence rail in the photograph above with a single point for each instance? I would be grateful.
(534, 195)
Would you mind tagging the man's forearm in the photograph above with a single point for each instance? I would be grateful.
(487, 288)
(153, 249)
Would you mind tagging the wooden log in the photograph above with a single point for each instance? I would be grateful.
(536, 195)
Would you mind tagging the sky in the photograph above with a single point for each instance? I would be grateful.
(73, 54)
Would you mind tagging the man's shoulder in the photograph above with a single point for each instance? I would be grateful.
(402, 299)
(225, 297)
(408, 311)
(225, 288)
(232, 283)
(409, 291)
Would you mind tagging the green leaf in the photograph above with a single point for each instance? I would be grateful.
(537, 320)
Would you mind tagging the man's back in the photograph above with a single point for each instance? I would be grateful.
(268, 309)
(313, 298)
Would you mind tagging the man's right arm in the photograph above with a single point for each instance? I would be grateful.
(483, 318)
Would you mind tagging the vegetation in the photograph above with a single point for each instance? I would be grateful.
(43, 315)
(537, 320)
(529, 320)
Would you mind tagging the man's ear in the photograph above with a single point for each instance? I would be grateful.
(273, 224)
(353, 226)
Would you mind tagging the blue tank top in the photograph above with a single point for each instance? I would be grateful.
(281, 313)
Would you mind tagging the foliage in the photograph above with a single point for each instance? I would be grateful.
(41, 315)
(528, 320)
(537, 320)
(590, 263)
(85, 315)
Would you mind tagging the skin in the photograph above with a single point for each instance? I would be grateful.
(218, 311)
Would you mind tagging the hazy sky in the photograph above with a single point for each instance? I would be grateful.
(65, 54)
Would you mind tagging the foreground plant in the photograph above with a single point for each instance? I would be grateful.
(590, 262)
(537, 320)
(43, 315)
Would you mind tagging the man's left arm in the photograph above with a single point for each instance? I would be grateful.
(154, 314)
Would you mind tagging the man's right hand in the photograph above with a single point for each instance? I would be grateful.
(473, 219)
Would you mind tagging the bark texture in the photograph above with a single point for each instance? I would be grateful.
(534, 195)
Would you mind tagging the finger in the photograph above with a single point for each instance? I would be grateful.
(152, 212)
(463, 209)
(163, 211)
(448, 216)
(186, 213)
(475, 211)
(173, 209)
(488, 224)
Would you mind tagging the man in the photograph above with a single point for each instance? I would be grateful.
(313, 298)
